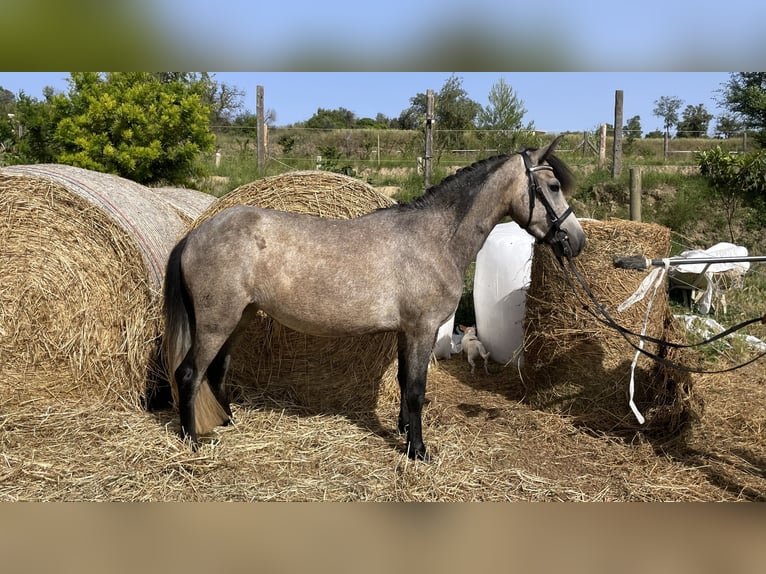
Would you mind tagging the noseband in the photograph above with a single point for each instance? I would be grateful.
(554, 234)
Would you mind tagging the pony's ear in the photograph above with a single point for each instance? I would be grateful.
(462, 328)
(538, 156)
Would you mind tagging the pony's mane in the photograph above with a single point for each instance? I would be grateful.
(464, 177)
(477, 172)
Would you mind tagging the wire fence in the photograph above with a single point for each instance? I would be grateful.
(388, 147)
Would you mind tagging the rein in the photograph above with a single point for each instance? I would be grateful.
(625, 333)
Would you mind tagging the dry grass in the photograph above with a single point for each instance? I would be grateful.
(489, 445)
(189, 203)
(491, 441)
(82, 261)
(581, 367)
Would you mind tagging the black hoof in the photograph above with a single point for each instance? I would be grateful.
(418, 453)
(190, 440)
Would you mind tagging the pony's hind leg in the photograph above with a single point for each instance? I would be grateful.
(199, 409)
(216, 372)
(216, 375)
(188, 382)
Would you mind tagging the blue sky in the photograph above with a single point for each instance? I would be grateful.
(395, 35)
(555, 101)
(591, 35)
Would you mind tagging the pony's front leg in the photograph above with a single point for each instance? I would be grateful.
(413, 354)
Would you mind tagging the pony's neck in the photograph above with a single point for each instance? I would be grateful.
(488, 203)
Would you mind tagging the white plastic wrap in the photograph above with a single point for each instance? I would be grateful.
(503, 273)
(443, 348)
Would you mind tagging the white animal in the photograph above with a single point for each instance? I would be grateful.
(473, 348)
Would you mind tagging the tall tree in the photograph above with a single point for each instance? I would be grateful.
(503, 117)
(454, 109)
(744, 95)
(728, 126)
(454, 113)
(694, 122)
(667, 108)
(633, 128)
(39, 118)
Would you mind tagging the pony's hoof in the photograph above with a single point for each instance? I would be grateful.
(418, 453)
(190, 441)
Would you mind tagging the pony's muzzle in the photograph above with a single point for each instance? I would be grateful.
(564, 245)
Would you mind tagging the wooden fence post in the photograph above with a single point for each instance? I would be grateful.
(429, 135)
(635, 194)
(602, 147)
(260, 132)
(617, 145)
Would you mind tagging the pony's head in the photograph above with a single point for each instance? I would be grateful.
(544, 212)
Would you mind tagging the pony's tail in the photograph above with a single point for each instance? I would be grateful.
(178, 312)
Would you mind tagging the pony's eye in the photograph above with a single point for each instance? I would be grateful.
(554, 186)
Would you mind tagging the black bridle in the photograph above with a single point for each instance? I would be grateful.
(554, 234)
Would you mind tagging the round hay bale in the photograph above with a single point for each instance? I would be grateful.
(189, 203)
(83, 258)
(324, 374)
(578, 366)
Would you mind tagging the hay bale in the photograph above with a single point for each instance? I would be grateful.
(578, 366)
(189, 203)
(83, 258)
(322, 374)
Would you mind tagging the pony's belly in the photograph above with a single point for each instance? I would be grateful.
(339, 325)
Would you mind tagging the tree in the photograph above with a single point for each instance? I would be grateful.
(340, 118)
(135, 124)
(454, 109)
(454, 112)
(745, 96)
(503, 116)
(736, 180)
(411, 118)
(633, 128)
(667, 108)
(7, 116)
(38, 118)
(694, 122)
(728, 126)
(225, 103)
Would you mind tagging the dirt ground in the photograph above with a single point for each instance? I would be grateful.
(487, 442)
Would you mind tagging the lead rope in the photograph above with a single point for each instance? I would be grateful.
(609, 322)
(651, 281)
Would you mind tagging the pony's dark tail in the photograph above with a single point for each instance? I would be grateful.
(178, 313)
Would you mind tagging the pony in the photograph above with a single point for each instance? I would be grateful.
(399, 269)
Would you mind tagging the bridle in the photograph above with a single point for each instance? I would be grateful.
(554, 234)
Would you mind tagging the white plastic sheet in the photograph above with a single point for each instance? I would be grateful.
(700, 276)
(503, 273)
